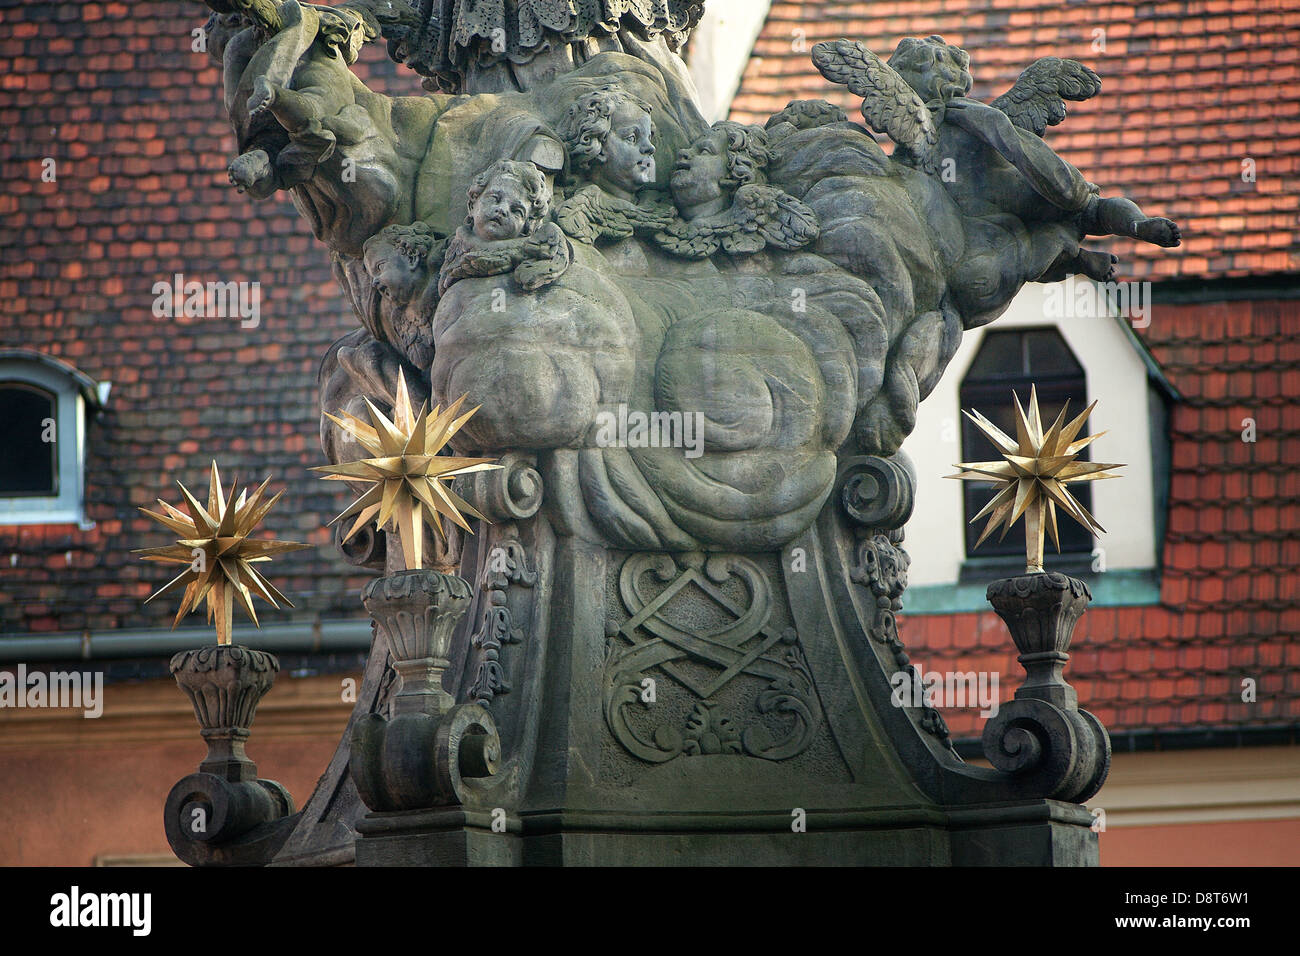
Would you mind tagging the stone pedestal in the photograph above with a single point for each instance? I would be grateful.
(224, 815)
(661, 708)
(1042, 738)
(419, 758)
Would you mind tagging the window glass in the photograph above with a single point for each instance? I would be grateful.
(27, 455)
(1001, 354)
(1046, 354)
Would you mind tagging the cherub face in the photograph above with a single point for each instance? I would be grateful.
(629, 155)
(699, 171)
(934, 72)
(501, 210)
(391, 271)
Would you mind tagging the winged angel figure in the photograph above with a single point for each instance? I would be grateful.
(677, 294)
(992, 160)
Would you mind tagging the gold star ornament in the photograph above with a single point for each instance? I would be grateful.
(1033, 476)
(214, 543)
(409, 481)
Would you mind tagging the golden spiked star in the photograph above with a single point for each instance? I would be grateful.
(1033, 477)
(214, 543)
(409, 481)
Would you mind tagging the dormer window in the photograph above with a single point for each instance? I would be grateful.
(43, 413)
(1080, 359)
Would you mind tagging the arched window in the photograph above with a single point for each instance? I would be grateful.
(43, 405)
(1011, 361)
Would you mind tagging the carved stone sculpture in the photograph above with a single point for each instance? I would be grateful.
(1025, 210)
(698, 373)
(1043, 735)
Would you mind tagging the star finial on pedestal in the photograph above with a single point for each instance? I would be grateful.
(409, 481)
(214, 543)
(1033, 476)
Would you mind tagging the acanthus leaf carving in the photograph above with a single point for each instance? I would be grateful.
(497, 627)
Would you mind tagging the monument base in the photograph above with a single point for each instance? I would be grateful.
(1031, 833)
(1035, 833)
(706, 709)
(445, 836)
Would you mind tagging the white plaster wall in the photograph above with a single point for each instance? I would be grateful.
(720, 48)
(1124, 506)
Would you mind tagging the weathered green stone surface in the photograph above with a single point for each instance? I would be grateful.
(697, 349)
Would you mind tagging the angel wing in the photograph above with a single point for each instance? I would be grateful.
(584, 217)
(1037, 100)
(591, 216)
(889, 105)
(759, 216)
(468, 257)
(699, 239)
(775, 215)
(547, 256)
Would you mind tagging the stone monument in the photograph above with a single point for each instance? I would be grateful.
(696, 350)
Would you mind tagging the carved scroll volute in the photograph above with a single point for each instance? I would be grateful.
(511, 493)
(224, 815)
(368, 548)
(1056, 749)
(877, 493)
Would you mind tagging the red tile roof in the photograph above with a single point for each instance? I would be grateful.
(132, 117)
(1191, 90)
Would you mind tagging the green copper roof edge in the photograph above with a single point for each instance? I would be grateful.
(1119, 588)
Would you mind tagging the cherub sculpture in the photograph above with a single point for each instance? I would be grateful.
(992, 161)
(719, 186)
(609, 138)
(299, 93)
(507, 230)
(403, 263)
